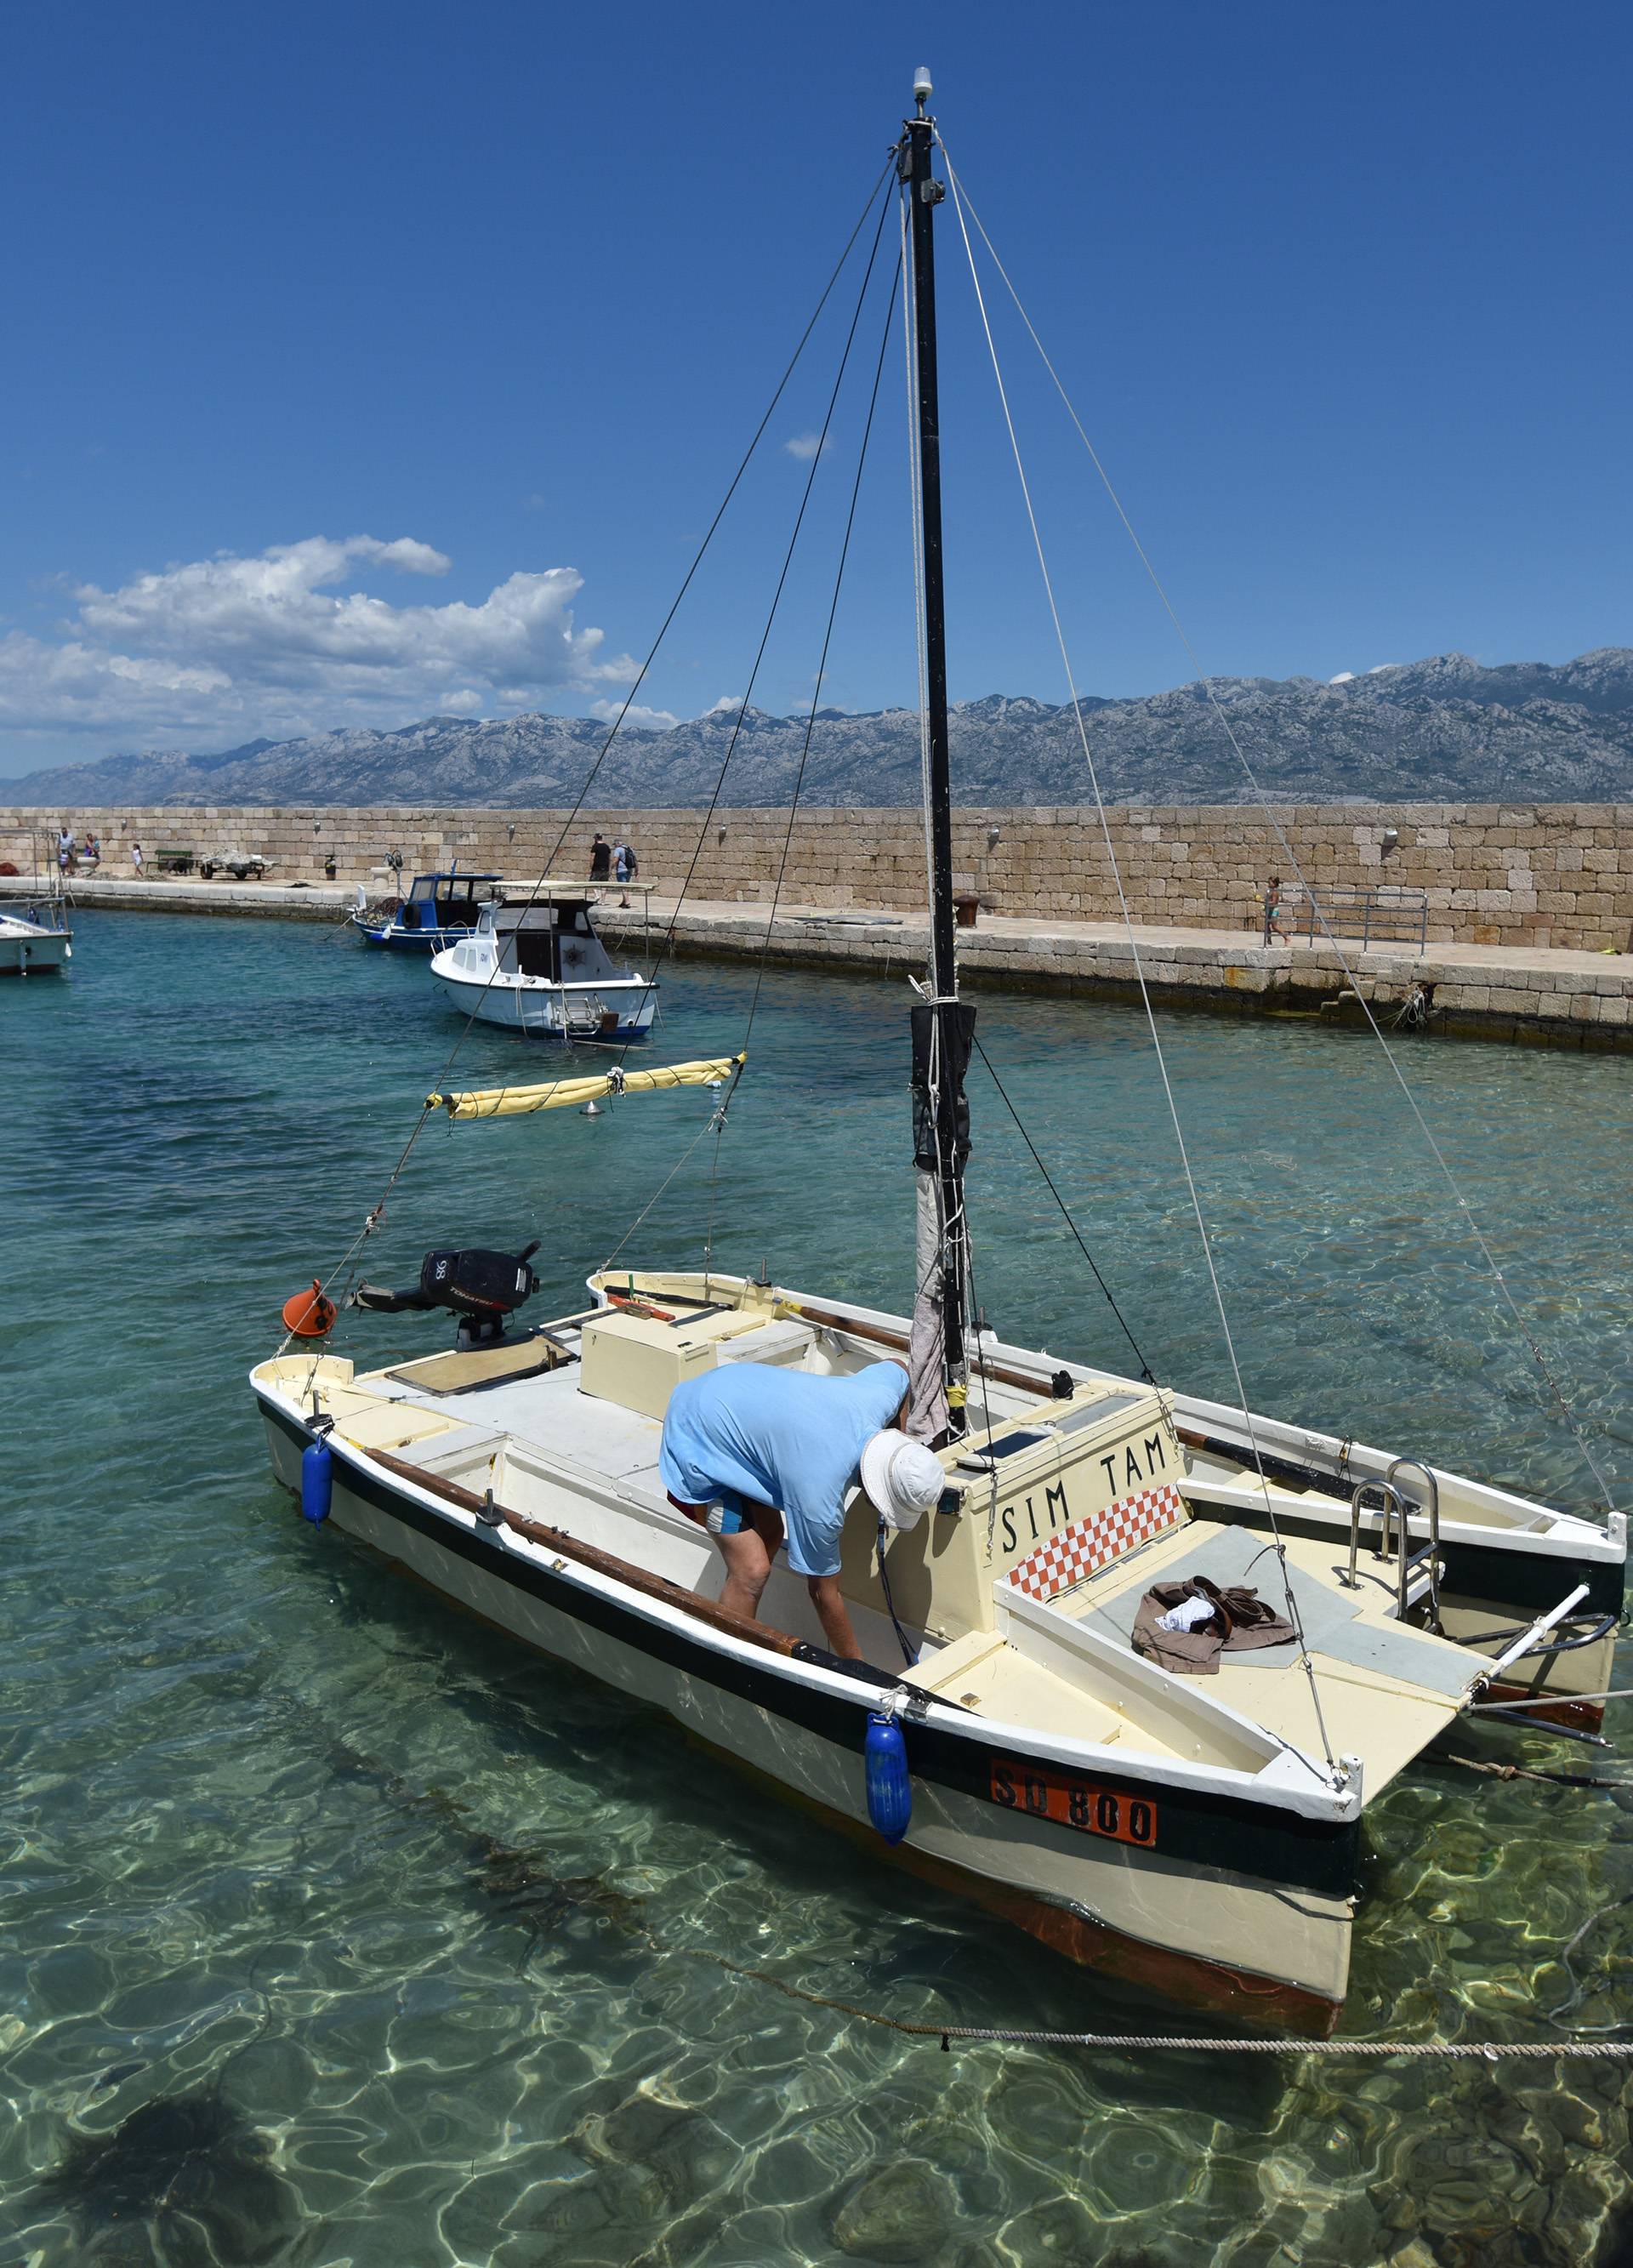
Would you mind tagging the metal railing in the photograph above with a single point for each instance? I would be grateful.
(1397, 1510)
(1397, 914)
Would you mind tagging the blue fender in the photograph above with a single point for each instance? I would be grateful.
(317, 1483)
(889, 1789)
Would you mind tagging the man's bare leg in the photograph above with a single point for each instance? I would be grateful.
(748, 1556)
(834, 1617)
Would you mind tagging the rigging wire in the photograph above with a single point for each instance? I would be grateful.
(1145, 1369)
(718, 1122)
(376, 1215)
(1572, 1422)
(1332, 1770)
(821, 674)
(771, 614)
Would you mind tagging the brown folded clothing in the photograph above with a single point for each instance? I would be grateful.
(1240, 1619)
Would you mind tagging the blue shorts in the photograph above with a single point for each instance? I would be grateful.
(727, 1513)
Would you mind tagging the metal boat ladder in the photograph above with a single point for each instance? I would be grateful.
(1397, 1511)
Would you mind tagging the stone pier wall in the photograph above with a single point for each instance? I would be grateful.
(1495, 873)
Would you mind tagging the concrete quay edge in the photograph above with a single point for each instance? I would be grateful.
(1523, 994)
(1534, 995)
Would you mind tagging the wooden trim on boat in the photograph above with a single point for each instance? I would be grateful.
(589, 1555)
(1030, 1381)
(1237, 1832)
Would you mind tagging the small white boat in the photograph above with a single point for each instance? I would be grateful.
(535, 964)
(38, 938)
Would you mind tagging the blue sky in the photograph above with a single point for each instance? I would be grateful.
(364, 361)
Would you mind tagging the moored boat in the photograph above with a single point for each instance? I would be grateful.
(1194, 1823)
(535, 964)
(438, 910)
(35, 937)
(1192, 1835)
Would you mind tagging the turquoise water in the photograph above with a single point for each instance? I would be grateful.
(335, 1929)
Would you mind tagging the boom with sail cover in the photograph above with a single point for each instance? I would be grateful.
(563, 1093)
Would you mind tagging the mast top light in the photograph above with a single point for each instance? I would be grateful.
(923, 88)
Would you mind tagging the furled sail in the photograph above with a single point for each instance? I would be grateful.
(941, 1046)
(563, 1094)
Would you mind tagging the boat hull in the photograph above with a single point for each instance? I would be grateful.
(396, 940)
(27, 951)
(554, 1011)
(1214, 1936)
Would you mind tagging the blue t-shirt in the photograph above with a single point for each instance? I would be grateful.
(787, 1438)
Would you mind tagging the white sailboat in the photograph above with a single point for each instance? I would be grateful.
(1201, 1835)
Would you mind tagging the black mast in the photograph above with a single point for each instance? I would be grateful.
(942, 1147)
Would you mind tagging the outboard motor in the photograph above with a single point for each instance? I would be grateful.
(483, 1288)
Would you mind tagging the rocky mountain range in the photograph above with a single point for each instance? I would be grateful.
(1446, 730)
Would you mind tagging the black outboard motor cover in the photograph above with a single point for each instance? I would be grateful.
(477, 1281)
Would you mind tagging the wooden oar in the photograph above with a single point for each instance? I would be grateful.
(587, 1555)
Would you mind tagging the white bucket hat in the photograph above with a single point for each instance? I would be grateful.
(902, 1479)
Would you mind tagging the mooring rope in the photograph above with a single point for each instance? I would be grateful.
(1183, 2043)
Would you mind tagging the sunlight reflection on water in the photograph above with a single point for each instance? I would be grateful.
(339, 1929)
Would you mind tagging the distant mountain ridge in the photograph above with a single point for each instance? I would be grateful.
(1446, 730)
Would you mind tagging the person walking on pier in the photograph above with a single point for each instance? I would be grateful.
(135, 859)
(1272, 904)
(600, 858)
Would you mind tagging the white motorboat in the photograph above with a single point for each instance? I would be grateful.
(535, 964)
(35, 940)
(1008, 1730)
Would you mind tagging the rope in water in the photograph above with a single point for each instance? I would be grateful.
(1135, 2043)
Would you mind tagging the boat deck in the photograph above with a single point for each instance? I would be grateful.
(516, 1418)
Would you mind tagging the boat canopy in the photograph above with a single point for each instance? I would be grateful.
(429, 886)
(582, 891)
(563, 1094)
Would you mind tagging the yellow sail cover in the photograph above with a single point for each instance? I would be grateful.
(562, 1094)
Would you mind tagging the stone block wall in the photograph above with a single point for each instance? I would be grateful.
(1494, 873)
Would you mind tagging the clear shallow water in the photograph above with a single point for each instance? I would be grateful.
(335, 1929)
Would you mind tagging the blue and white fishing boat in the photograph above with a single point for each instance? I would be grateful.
(440, 909)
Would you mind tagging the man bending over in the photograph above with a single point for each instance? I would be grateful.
(751, 1448)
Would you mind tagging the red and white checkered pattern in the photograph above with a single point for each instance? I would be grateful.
(1090, 1544)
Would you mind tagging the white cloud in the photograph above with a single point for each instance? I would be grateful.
(1378, 668)
(805, 446)
(286, 642)
(1344, 677)
(649, 720)
(727, 701)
